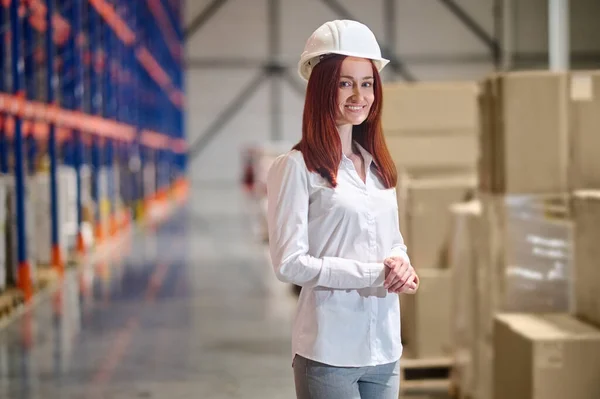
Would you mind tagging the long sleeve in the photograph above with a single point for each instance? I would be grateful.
(287, 218)
(398, 249)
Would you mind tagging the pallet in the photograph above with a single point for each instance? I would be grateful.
(12, 297)
(426, 375)
(457, 393)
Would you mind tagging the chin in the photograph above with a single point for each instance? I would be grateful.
(357, 121)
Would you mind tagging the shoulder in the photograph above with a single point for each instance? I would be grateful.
(289, 165)
(291, 160)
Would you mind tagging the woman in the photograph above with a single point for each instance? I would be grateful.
(333, 224)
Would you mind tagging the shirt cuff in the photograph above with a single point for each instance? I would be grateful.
(377, 272)
(400, 253)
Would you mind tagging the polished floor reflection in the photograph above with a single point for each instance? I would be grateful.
(189, 310)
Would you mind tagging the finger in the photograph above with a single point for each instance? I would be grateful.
(410, 287)
(390, 277)
(395, 287)
(391, 280)
(409, 290)
(405, 275)
(395, 274)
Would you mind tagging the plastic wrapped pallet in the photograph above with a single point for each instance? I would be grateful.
(424, 199)
(586, 214)
(545, 357)
(426, 316)
(463, 268)
(525, 257)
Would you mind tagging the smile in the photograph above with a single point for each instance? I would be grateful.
(355, 107)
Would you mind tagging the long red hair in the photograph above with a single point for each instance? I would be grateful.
(321, 145)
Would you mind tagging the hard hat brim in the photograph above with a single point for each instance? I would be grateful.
(305, 68)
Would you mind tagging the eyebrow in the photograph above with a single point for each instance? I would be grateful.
(352, 77)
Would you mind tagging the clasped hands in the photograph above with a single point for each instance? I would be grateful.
(400, 276)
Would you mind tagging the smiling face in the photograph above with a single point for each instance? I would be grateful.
(355, 93)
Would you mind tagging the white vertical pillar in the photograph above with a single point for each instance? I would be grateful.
(558, 35)
(507, 39)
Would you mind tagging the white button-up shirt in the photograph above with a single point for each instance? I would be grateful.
(332, 242)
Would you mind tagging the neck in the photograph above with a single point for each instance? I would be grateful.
(345, 132)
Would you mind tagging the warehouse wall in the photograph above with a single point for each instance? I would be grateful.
(432, 41)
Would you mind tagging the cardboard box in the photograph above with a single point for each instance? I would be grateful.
(586, 242)
(456, 151)
(423, 108)
(538, 132)
(545, 357)
(584, 124)
(426, 316)
(463, 268)
(483, 369)
(423, 202)
(525, 257)
(524, 141)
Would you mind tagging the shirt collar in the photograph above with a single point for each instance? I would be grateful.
(367, 157)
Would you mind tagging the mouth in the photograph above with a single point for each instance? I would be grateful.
(355, 108)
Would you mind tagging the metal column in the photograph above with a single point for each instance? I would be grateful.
(95, 99)
(51, 87)
(3, 140)
(558, 35)
(24, 276)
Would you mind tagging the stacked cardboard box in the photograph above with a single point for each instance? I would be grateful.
(538, 132)
(431, 132)
(431, 124)
(545, 357)
(426, 317)
(537, 143)
(425, 220)
(462, 261)
(424, 202)
(524, 261)
(586, 214)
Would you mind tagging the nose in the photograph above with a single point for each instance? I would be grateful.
(356, 93)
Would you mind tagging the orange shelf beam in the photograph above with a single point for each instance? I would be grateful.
(39, 115)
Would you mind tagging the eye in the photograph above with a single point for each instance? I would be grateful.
(345, 83)
(367, 84)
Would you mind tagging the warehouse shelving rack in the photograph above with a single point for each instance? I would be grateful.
(95, 86)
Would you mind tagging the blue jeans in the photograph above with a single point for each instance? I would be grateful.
(316, 380)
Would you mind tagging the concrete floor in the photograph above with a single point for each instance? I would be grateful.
(191, 310)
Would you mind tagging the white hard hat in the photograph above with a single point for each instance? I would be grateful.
(343, 37)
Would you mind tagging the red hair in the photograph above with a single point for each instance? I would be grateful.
(321, 145)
